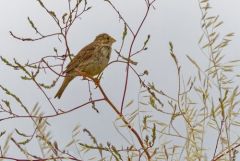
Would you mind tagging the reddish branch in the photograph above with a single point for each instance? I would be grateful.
(135, 34)
(125, 122)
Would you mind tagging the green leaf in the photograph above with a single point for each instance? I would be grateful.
(146, 41)
(124, 34)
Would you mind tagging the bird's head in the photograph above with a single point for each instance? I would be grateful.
(105, 39)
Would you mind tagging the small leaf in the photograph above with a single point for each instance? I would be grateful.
(193, 62)
(64, 17)
(129, 103)
(146, 41)
(52, 13)
(124, 34)
(40, 2)
(152, 101)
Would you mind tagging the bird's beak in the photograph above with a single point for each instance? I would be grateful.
(113, 40)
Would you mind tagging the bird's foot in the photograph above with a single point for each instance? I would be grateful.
(96, 81)
(87, 77)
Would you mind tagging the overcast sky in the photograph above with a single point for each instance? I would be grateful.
(172, 20)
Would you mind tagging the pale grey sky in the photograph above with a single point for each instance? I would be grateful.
(172, 20)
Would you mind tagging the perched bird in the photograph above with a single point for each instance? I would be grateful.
(90, 60)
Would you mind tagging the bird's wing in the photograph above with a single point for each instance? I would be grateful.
(83, 55)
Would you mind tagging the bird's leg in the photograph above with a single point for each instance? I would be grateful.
(96, 81)
(99, 76)
(85, 75)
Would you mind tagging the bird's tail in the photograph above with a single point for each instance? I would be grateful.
(65, 83)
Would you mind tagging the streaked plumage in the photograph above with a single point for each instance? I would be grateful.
(91, 60)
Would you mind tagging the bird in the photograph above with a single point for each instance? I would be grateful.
(91, 60)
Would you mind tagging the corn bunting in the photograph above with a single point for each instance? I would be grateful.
(90, 60)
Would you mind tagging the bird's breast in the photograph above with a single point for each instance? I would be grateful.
(105, 52)
(99, 62)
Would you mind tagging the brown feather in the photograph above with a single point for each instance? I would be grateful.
(91, 60)
(83, 55)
